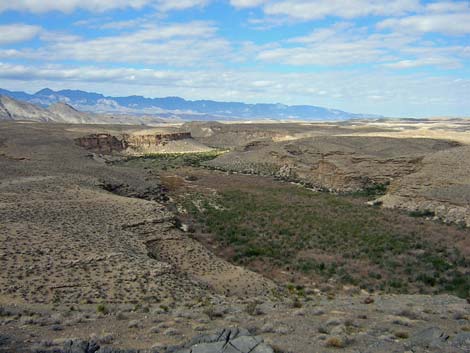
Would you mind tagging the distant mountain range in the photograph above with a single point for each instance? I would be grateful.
(12, 109)
(178, 108)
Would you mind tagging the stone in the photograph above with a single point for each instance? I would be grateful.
(232, 340)
(267, 328)
(462, 340)
(79, 346)
(134, 324)
(171, 332)
(432, 337)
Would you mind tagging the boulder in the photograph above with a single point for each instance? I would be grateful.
(231, 340)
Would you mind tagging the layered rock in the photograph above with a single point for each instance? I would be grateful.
(440, 189)
(102, 143)
(134, 143)
(340, 164)
(155, 140)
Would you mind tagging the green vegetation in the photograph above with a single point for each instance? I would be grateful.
(421, 213)
(330, 236)
(102, 309)
(164, 161)
(372, 190)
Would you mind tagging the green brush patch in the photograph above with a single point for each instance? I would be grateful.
(331, 236)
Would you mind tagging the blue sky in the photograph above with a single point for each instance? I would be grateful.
(389, 57)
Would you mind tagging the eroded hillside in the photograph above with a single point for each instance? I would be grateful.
(82, 242)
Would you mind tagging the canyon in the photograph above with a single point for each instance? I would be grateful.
(154, 239)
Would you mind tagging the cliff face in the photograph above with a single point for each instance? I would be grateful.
(154, 140)
(103, 143)
(107, 143)
(334, 163)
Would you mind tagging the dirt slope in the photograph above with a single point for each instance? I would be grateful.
(66, 239)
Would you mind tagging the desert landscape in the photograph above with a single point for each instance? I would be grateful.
(235, 176)
(235, 237)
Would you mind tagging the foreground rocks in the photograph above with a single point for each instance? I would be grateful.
(394, 323)
(230, 340)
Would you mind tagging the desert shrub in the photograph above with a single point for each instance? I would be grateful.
(421, 213)
(375, 189)
(252, 309)
(336, 342)
(402, 334)
(297, 303)
(281, 225)
(102, 309)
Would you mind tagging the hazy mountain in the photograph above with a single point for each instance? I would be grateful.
(14, 109)
(171, 107)
(70, 114)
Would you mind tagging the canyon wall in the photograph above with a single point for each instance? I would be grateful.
(106, 143)
(154, 140)
(102, 143)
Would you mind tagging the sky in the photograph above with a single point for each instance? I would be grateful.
(390, 57)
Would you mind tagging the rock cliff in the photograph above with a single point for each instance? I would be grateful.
(130, 144)
(103, 143)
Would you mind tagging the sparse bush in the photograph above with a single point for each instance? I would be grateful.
(335, 342)
(215, 311)
(421, 213)
(164, 308)
(102, 309)
(253, 309)
(297, 303)
(402, 334)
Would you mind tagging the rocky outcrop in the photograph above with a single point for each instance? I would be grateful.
(440, 189)
(132, 144)
(227, 340)
(339, 164)
(103, 143)
(154, 140)
(221, 341)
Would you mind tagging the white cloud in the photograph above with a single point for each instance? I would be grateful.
(375, 91)
(186, 44)
(346, 44)
(444, 62)
(247, 3)
(318, 9)
(447, 6)
(168, 5)
(451, 24)
(14, 33)
(340, 44)
(67, 6)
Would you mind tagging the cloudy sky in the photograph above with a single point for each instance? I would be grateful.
(390, 57)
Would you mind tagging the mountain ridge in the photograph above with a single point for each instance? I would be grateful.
(180, 107)
(12, 109)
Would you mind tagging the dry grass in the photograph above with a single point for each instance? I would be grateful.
(335, 342)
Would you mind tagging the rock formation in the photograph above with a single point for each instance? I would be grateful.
(334, 163)
(135, 144)
(102, 143)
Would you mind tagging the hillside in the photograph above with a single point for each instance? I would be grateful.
(11, 109)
